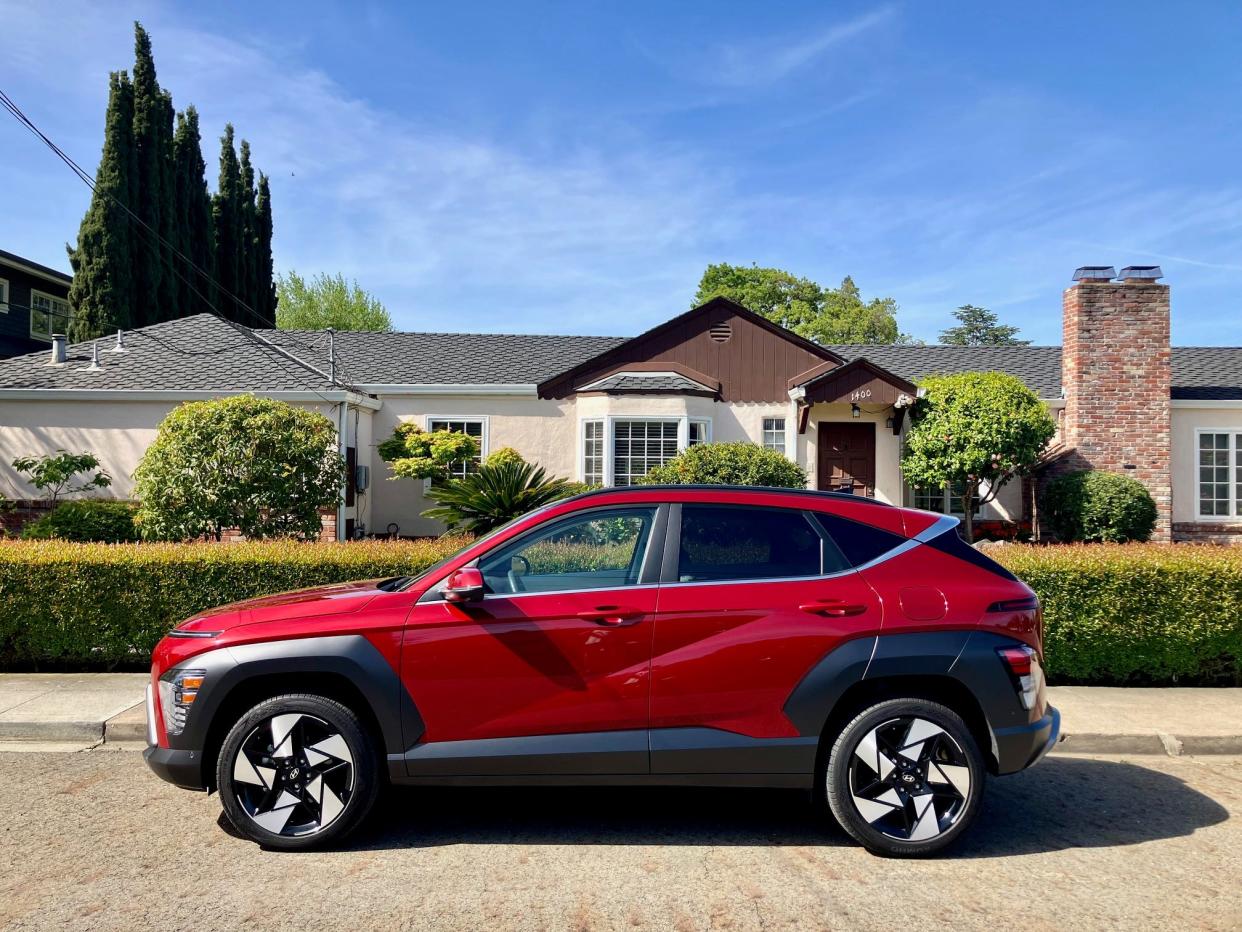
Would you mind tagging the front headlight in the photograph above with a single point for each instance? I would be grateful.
(178, 690)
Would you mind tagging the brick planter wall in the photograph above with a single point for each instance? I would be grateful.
(1196, 532)
(22, 512)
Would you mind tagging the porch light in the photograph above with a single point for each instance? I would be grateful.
(855, 411)
(888, 422)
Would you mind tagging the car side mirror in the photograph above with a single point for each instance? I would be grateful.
(465, 585)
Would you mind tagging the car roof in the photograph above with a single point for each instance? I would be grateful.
(726, 491)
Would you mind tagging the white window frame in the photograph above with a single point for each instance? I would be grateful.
(603, 456)
(484, 440)
(763, 432)
(609, 421)
(4, 295)
(981, 511)
(34, 293)
(1235, 477)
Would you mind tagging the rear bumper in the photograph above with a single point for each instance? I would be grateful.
(182, 768)
(1020, 747)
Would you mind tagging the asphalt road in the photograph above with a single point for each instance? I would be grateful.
(93, 840)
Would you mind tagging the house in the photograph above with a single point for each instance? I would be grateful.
(606, 409)
(34, 303)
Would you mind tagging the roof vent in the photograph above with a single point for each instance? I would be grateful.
(120, 343)
(1094, 273)
(721, 332)
(1141, 273)
(94, 366)
(58, 350)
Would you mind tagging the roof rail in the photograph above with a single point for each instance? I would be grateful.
(709, 487)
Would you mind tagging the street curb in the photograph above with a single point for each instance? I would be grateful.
(88, 732)
(1153, 743)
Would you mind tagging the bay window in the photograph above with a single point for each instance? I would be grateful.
(621, 450)
(1220, 474)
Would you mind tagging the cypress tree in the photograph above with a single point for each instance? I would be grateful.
(192, 207)
(226, 216)
(148, 116)
(172, 269)
(102, 289)
(266, 287)
(249, 272)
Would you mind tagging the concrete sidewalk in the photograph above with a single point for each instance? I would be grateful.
(85, 709)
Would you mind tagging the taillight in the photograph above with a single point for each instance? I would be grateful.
(1022, 662)
(1027, 604)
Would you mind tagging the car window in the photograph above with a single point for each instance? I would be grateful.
(596, 550)
(860, 543)
(720, 542)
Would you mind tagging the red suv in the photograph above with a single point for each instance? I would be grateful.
(689, 635)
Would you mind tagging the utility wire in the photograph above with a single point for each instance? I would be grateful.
(85, 177)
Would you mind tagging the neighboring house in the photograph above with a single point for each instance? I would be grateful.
(34, 304)
(606, 409)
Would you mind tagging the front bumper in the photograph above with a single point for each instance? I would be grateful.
(182, 768)
(1020, 747)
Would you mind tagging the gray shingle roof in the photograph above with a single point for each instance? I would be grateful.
(200, 353)
(655, 382)
(455, 358)
(1199, 372)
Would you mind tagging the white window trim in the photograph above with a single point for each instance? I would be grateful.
(30, 323)
(4, 295)
(581, 447)
(1235, 504)
(985, 512)
(784, 432)
(683, 436)
(484, 440)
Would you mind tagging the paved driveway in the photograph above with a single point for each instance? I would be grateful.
(92, 840)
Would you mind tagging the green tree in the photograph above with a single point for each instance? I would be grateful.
(327, 301)
(227, 228)
(56, 474)
(734, 463)
(262, 466)
(825, 315)
(103, 277)
(192, 205)
(249, 265)
(149, 154)
(974, 431)
(414, 453)
(493, 495)
(977, 326)
(265, 287)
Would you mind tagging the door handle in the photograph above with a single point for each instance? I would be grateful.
(610, 615)
(833, 608)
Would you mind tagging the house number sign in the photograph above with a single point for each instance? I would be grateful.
(860, 393)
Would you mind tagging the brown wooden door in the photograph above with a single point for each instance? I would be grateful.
(847, 457)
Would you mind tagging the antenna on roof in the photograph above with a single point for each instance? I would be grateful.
(94, 366)
(120, 343)
(331, 356)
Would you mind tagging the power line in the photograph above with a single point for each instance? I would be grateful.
(85, 177)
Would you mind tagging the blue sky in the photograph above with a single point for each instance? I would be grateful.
(573, 167)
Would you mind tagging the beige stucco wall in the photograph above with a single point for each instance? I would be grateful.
(1186, 421)
(118, 432)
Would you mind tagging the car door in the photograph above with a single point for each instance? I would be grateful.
(549, 672)
(752, 597)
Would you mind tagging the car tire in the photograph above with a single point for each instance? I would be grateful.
(904, 777)
(297, 771)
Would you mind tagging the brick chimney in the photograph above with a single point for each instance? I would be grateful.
(1115, 374)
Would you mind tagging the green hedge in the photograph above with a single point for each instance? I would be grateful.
(1137, 614)
(1119, 614)
(101, 605)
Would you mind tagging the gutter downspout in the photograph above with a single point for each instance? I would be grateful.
(342, 421)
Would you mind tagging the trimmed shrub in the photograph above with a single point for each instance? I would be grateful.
(107, 522)
(100, 605)
(1093, 506)
(1137, 614)
(733, 463)
(503, 456)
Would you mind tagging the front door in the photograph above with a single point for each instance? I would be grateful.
(847, 457)
(560, 645)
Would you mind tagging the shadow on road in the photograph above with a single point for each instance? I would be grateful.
(1062, 803)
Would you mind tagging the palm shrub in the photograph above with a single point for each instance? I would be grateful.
(1099, 507)
(733, 463)
(493, 495)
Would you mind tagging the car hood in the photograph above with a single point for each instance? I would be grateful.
(338, 599)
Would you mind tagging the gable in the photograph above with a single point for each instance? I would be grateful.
(750, 357)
